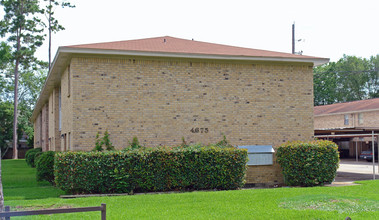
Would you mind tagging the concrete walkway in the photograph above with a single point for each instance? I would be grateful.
(351, 170)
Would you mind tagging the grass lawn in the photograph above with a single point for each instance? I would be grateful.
(359, 202)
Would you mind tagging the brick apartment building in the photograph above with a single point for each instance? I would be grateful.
(162, 89)
(348, 124)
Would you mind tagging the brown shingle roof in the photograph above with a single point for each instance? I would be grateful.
(355, 106)
(176, 45)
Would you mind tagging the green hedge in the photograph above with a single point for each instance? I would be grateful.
(30, 156)
(151, 169)
(45, 166)
(308, 163)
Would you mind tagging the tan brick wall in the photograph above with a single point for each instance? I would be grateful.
(160, 101)
(45, 127)
(54, 134)
(329, 121)
(370, 119)
(269, 175)
(67, 117)
(37, 131)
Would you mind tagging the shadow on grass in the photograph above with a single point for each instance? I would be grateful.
(340, 204)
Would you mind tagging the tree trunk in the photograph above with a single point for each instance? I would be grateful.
(49, 36)
(15, 115)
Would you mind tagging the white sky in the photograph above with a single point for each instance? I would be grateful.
(330, 28)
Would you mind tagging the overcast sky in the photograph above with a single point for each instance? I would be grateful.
(330, 28)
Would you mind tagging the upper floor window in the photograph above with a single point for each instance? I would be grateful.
(360, 118)
(346, 121)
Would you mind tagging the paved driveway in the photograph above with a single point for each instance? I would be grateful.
(350, 171)
(352, 166)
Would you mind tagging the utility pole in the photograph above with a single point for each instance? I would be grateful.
(293, 38)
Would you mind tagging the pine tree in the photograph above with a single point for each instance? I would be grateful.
(24, 32)
(53, 24)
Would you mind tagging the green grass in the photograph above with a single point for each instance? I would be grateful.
(340, 204)
(19, 182)
(358, 202)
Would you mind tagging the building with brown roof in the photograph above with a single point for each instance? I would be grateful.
(349, 124)
(162, 89)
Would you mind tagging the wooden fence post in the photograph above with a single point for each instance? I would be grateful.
(7, 209)
(103, 211)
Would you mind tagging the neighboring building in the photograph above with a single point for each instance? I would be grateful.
(162, 89)
(348, 124)
(22, 147)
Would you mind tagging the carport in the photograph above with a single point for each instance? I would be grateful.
(355, 134)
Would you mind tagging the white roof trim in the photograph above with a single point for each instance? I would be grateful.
(315, 61)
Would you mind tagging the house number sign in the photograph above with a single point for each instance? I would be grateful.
(199, 130)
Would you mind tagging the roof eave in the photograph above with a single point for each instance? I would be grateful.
(59, 62)
(346, 112)
(316, 61)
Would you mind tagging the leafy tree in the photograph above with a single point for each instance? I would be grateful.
(1, 190)
(351, 78)
(29, 87)
(4, 60)
(325, 85)
(53, 24)
(4, 54)
(24, 31)
(5, 114)
(373, 82)
(6, 107)
(6, 119)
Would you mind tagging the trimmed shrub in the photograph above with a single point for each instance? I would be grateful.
(308, 163)
(45, 167)
(151, 169)
(36, 156)
(30, 156)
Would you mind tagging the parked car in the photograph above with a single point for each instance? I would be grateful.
(367, 155)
